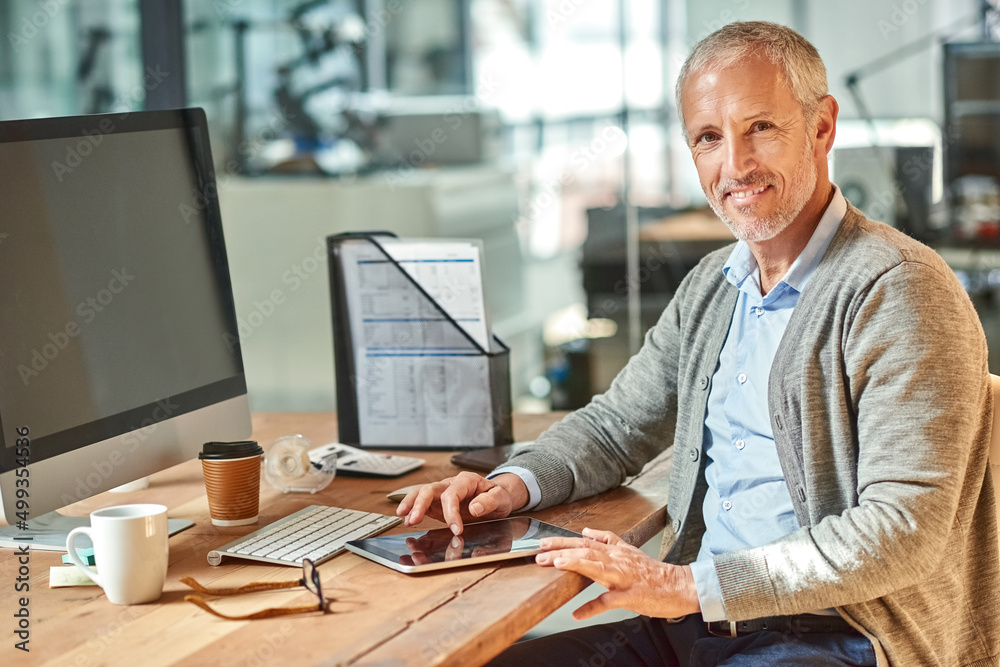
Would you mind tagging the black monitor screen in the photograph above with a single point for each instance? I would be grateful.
(116, 308)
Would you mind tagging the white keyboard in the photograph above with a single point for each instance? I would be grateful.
(316, 532)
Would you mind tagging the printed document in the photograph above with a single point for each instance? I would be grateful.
(420, 380)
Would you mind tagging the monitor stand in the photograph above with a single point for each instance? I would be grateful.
(48, 532)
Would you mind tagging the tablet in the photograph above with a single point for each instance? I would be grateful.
(479, 543)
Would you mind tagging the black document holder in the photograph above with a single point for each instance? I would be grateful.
(448, 332)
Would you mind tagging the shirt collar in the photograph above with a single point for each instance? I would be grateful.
(742, 264)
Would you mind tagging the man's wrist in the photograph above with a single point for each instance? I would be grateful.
(686, 589)
(529, 480)
(515, 487)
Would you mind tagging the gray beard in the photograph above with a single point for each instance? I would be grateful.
(758, 229)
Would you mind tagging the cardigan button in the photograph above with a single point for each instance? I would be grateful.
(777, 421)
(693, 453)
(703, 382)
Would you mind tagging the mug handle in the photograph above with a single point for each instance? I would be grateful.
(71, 548)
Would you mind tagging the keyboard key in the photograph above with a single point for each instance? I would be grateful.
(316, 532)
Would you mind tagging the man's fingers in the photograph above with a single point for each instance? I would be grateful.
(596, 606)
(451, 510)
(553, 543)
(605, 536)
(448, 497)
(486, 503)
(418, 502)
(406, 503)
(451, 501)
(585, 562)
(462, 487)
(409, 504)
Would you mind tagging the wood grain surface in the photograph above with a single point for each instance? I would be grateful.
(457, 617)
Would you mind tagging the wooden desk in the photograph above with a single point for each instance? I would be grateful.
(461, 617)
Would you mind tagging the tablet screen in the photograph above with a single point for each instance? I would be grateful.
(479, 543)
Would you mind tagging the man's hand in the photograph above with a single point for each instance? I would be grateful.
(634, 580)
(464, 497)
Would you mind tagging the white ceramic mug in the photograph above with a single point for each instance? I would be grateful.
(130, 551)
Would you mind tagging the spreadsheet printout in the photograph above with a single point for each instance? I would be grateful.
(420, 381)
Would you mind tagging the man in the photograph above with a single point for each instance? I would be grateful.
(824, 386)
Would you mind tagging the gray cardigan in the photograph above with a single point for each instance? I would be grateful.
(881, 407)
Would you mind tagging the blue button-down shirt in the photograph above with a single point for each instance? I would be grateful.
(747, 503)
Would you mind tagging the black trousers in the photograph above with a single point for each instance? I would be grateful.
(654, 641)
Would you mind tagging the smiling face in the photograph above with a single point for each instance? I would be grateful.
(756, 156)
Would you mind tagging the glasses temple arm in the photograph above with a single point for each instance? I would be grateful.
(265, 613)
(249, 588)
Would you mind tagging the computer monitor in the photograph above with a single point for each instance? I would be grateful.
(119, 351)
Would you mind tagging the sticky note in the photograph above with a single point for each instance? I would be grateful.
(68, 575)
(86, 555)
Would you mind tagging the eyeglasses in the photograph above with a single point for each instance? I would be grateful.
(310, 579)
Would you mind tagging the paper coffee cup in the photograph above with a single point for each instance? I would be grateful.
(232, 481)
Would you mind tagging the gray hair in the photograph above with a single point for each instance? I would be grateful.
(800, 64)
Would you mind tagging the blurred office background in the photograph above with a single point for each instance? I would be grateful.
(546, 128)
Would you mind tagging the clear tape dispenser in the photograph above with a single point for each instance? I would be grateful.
(288, 469)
